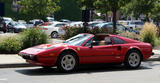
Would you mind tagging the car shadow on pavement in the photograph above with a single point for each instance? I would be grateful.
(87, 69)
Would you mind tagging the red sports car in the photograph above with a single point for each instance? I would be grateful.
(89, 49)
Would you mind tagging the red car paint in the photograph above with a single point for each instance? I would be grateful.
(47, 54)
(46, 23)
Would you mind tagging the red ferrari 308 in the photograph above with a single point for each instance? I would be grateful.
(88, 49)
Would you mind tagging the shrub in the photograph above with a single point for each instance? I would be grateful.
(131, 35)
(97, 30)
(10, 44)
(32, 37)
(28, 38)
(148, 33)
(72, 31)
(157, 42)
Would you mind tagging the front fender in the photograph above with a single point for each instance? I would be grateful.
(134, 47)
(68, 48)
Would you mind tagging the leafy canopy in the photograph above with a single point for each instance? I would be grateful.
(38, 9)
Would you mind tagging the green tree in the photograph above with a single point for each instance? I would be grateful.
(138, 7)
(86, 4)
(156, 11)
(69, 10)
(38, 9)
(103, 8)
(114, 6)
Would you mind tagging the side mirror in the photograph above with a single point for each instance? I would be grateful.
(92, 44)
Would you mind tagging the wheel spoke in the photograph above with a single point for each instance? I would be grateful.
(70, 65)
(131, 62)
(63, 62)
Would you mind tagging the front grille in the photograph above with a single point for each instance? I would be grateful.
(28, 56)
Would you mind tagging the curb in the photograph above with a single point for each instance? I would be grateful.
(153, 59)
(16, 65)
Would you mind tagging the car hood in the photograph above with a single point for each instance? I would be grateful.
(41, 48)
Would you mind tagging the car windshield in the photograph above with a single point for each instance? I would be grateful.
(78, 40)
(20, 24)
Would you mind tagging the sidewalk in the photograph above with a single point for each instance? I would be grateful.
(155, 57)
(12, 61)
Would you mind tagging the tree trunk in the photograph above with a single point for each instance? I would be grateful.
(114, 20)
(106, 18)
(158, 29)
(147, 18)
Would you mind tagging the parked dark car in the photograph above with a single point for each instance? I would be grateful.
(2, 25)
(15, 27)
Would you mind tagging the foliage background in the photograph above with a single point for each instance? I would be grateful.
(69, 10)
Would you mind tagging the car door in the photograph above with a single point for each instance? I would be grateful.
(119, 45)
(104, 54)
(101, 53)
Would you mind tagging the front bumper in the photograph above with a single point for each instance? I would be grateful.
(28, 56)
(39, 60)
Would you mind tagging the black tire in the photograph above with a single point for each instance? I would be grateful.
(61, 59)
(14, 31)
(133, 59)
(4, 31)
(54, 34)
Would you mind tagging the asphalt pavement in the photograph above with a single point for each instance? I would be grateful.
(148, 72)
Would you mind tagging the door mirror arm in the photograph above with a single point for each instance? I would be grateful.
(92, 44)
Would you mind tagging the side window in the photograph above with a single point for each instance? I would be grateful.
(108, 40)
(60, 25)
(132, 22)
(109, 26)
(30, 23)
(120, 27)
(118, 41)
(102, 41)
